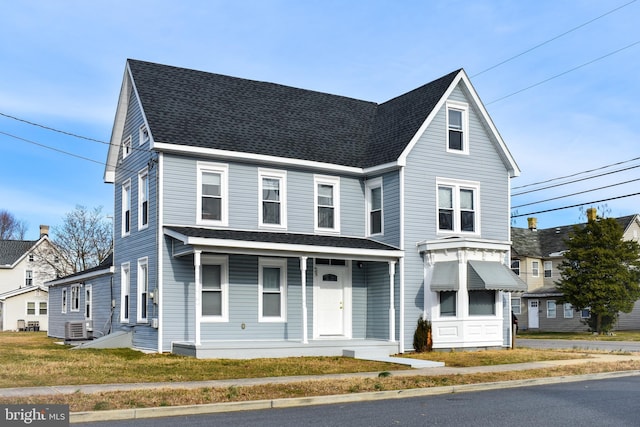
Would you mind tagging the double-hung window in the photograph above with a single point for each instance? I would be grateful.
(28, 278)
(458, 210)
(516, 305)
(143, 199)
(457, 127)
(42, 308)
(548, 268)
(125, 291)
(374, 206)
(515, 266)
(143, 289)
(327, 203)
(551, 309)
(126, 208)
(535, 268)
(212, 201)
(75, 298)
(215, 295)
(144, 135)
(64, 301)
(272, 288)
(272, 187)
(568, 310)
(126, 147)
(88, 312)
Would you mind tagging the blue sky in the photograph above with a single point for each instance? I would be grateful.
(62, 65)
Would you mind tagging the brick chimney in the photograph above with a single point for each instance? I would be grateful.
(592, 214)
(44, 231)
(533, 223)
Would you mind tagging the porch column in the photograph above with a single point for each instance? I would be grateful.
(303, 273)
(198, 295)
(392, 310)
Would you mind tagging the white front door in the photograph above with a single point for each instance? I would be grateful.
(534, 321)
(332, 302)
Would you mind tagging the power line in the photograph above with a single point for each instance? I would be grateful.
(552, 39)
(576, 174)
(75, 135)
(574, 206)
(565, 72)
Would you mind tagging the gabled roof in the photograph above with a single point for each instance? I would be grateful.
(21, 291)
(105, 267)
(12, 251)
(196, 110)
(543, 243)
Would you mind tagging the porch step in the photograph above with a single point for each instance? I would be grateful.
(382, 355)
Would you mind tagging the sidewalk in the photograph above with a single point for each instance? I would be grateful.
(220, 407)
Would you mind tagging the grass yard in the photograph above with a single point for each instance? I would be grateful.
(616, 336)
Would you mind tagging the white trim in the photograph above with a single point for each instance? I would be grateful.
(75, 302)
(127, 147)
(457, 186)
(118, 127)
(125, 189)
(140, 286)
(88, 301)
(369, 186)
(160, 242)
(144, 173)
(125, 291)
(223, 171)
(223, 262)
(64, 300)
(281, 177)
(280, 263)
(80, 277)
(334, 182)
(463, 107)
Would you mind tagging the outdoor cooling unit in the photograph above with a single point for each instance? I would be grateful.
(75, 330)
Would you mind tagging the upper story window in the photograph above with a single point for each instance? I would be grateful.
(28, 278)
(457, 127)
(126, 147)
(515, 266)
(144, 135)
(126, 208)
(215, 294)
(374, 206)
(516, 305)
(31, 257)
(458, 207)
(273, 196)
(327, 203)
(548, 268)
(535, 268)
(213, 195)
(143, 199)
(272, 289)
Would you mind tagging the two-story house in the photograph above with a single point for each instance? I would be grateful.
(256, 219)
(535, 256)
(25, 265)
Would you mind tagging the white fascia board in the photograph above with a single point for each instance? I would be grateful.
(21, 291)
(378, 169)
(236, 155)
(463, 243)
(118, 127)
(80, 278)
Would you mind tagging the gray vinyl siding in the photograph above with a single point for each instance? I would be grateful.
(139, 243)
(377, 300)
(630, 321)
(390, 209)
(359, 310)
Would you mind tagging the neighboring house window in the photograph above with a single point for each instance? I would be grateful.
(448, 303)
(143, 199)
(126, 208)
(374, 206)
(31, 308)
(126, 147)
(215, 295)
(568, 310)
(457, 127)
(585, 313)
(88, 290)
(516, 305)
(64, 300)
(143, 288)
(212, 193)
(28, 278)
(482, 303)
(272, 290)
(272, 187)
(551, 309)
(458, 206)
(515, 266)
(31, 258)
(75, 298)
(125, 291)
(327, 203)
(42, 308)
(144, 135)
(535, 268)
(548, 266)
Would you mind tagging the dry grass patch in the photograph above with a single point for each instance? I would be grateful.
(173, 397)
(496, 357)
(589, 336)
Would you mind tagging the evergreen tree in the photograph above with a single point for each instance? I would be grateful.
(600, 271)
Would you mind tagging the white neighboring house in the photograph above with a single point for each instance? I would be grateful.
(25, 265)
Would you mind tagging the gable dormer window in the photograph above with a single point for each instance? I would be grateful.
(457, 128)
(144, 135)
(126, 147)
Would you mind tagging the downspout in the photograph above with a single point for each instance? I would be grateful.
(401, 263)
(159, 255)
(303, 272)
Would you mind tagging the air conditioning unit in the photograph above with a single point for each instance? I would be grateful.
(75, 330)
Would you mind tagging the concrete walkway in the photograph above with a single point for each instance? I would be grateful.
(219, 407)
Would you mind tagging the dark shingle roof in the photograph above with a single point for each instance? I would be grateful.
(12, 250)
(543, 242)
(285, 238)
(207, 110)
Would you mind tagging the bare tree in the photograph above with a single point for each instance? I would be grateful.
(85, 239)
(10, 227)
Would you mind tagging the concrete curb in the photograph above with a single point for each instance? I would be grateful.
(129, 414)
